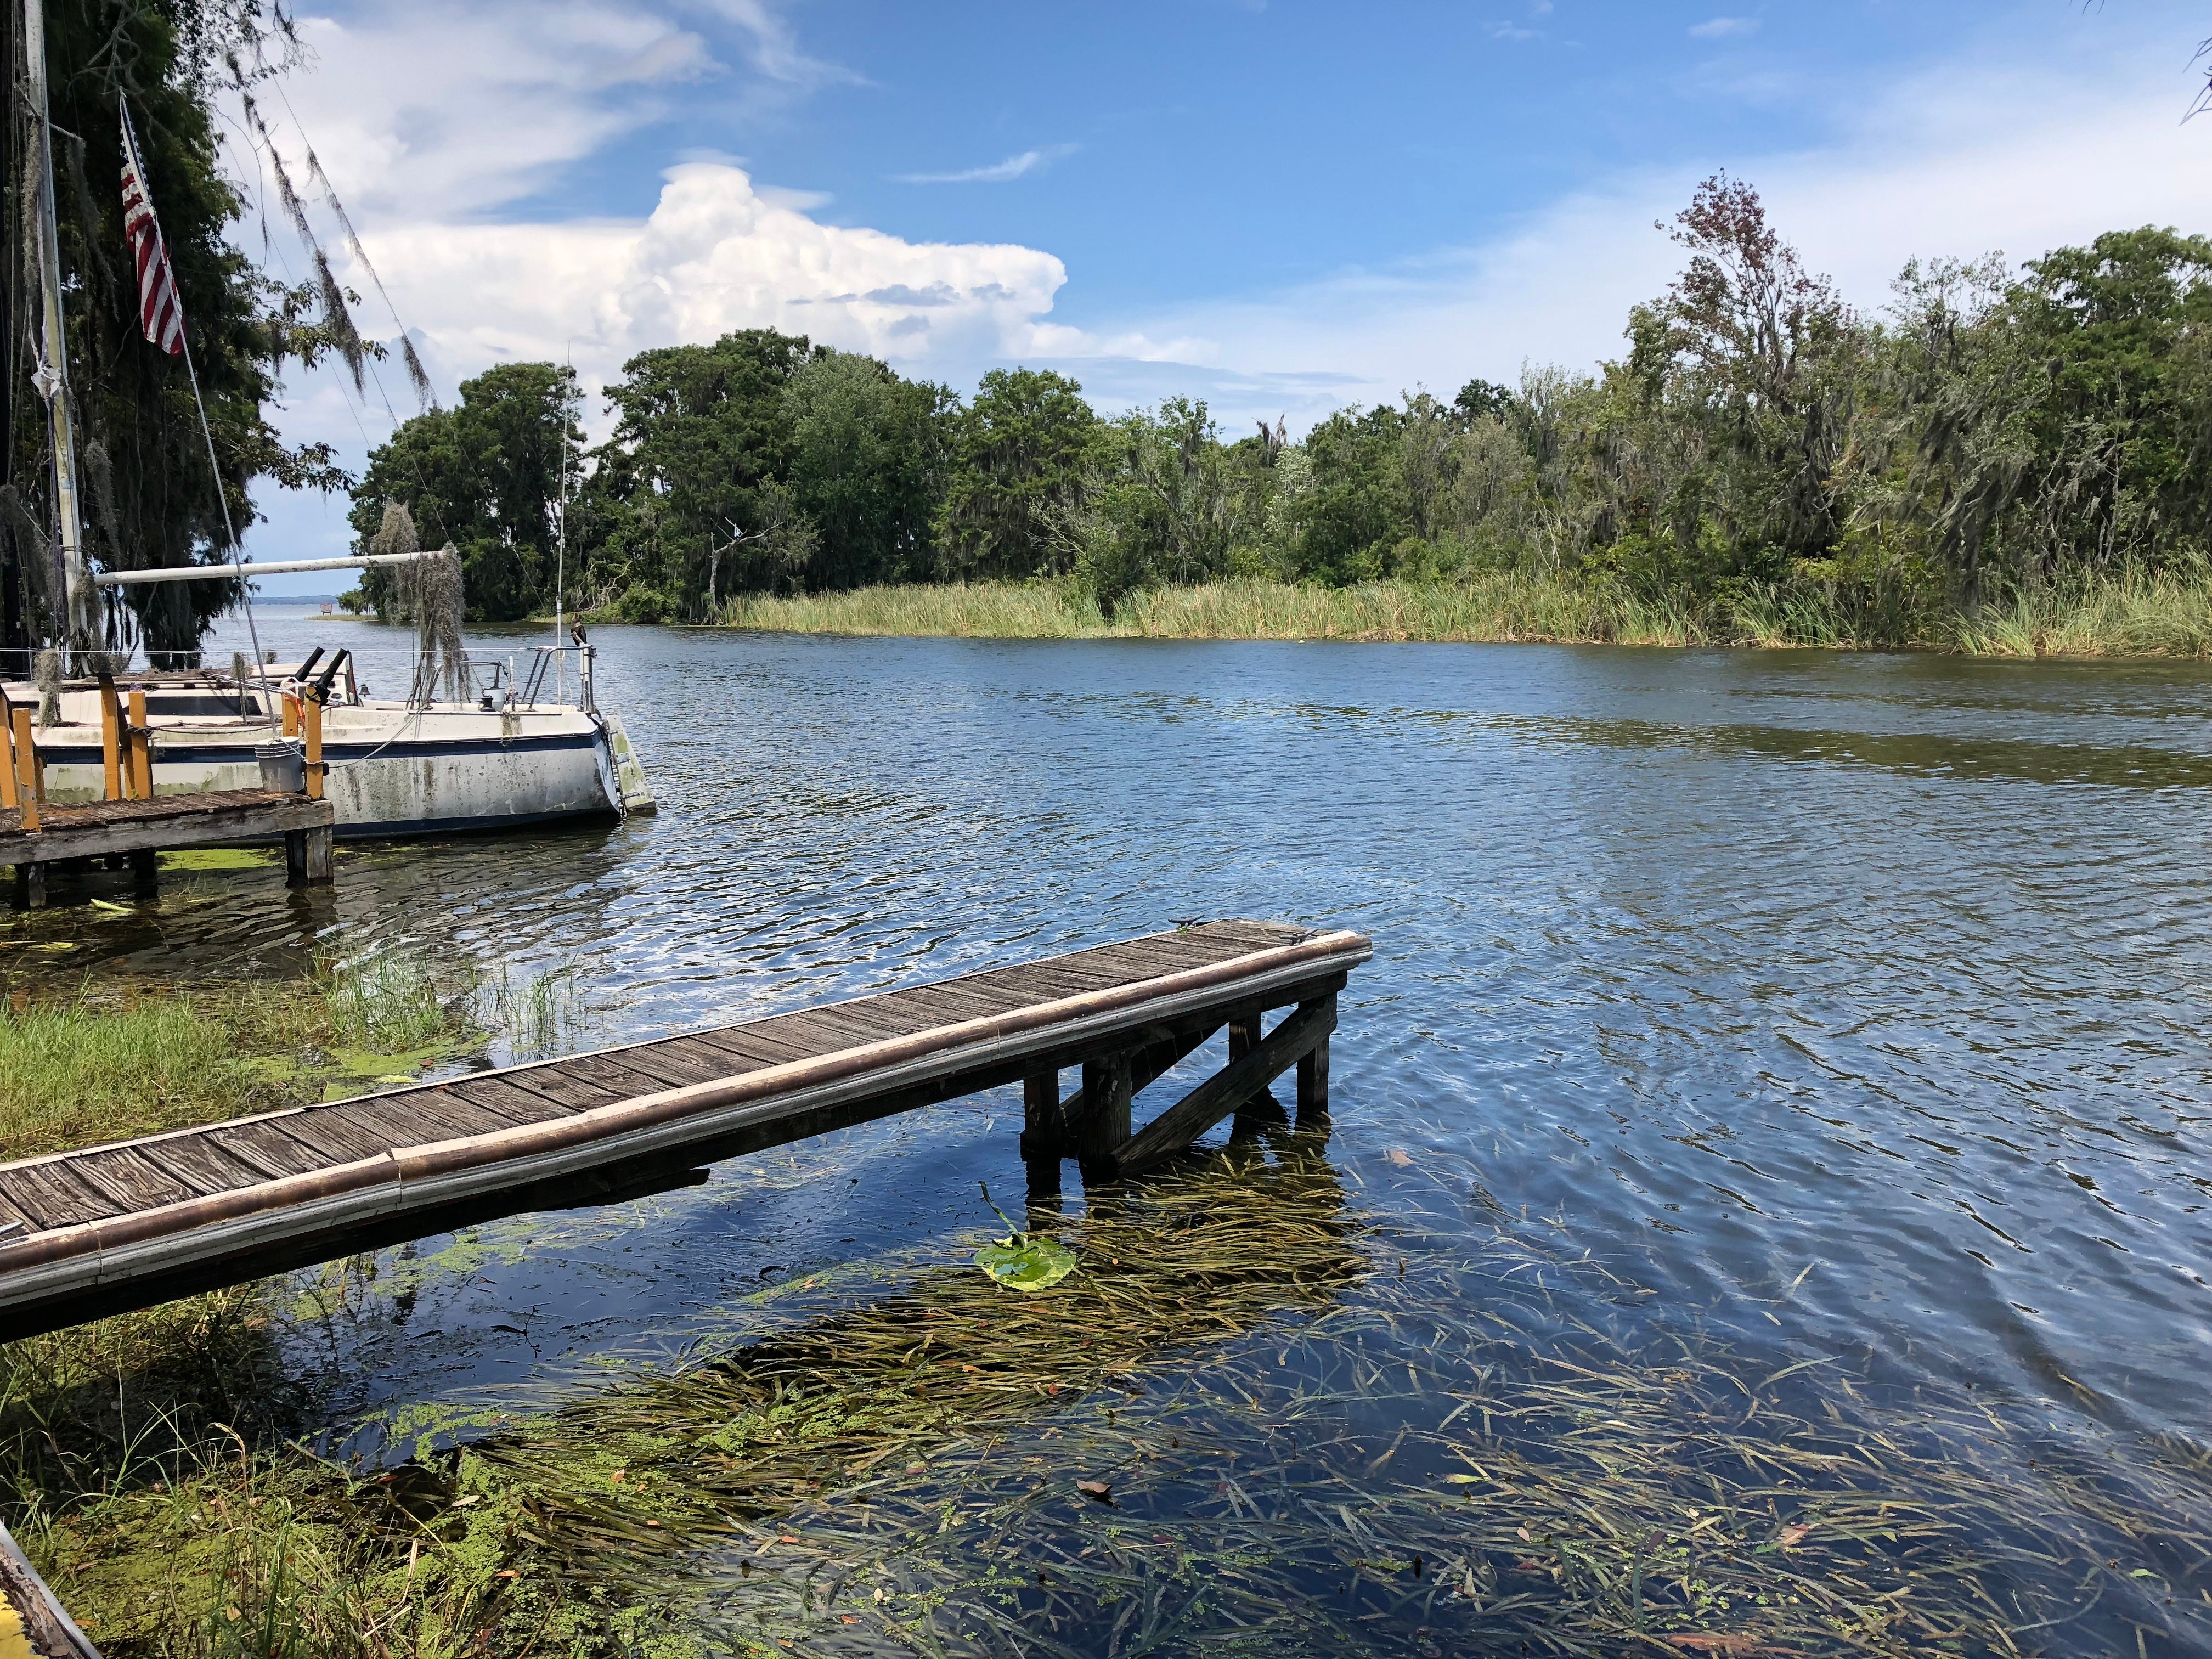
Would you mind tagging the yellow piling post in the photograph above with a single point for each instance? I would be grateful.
(27, 770)
(6, 757)
(291, 714)
(313, 710)
(111, 737)
(142, 748)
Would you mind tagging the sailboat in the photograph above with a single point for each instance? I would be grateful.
(507, 745)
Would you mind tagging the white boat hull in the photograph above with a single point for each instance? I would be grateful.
(393, 771)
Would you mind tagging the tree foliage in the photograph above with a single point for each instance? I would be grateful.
(486, 476)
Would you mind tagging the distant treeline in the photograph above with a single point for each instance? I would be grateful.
(1992, 431)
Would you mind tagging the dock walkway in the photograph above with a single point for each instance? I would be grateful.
(94, 1231)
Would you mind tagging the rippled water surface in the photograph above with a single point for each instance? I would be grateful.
(1851, 1009)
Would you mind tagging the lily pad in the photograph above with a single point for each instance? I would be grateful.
(1023, 1261)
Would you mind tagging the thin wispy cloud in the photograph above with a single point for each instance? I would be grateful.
(999, 173)
(776, 52)
(1538, 10)
(1723, 28)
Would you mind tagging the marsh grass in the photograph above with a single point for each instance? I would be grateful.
(2127, 616)
(90, 1068)
(393, 1002)
(1301, 1432)
(84, 1066)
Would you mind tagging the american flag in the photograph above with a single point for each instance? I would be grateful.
(160, 311)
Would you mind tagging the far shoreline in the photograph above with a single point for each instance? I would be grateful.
(2154, 620)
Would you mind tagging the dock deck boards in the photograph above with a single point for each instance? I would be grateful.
(117, 1225)
(97, 829)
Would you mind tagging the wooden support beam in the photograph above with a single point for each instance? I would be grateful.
(1313, 1084)
(313, 713)
(320, 841)
(7, 755)
(145, 870)
(1229, 1088)
(30, 886)
(1044, 1126)
(1107, 1091)
(1245, 1031)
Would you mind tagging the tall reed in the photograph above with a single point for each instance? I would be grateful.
(2120, 616)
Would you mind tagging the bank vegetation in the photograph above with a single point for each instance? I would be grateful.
(2004, 458)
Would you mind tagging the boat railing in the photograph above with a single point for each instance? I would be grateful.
(551, 661)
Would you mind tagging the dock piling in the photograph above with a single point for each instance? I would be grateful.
(140, 740)
(29, 786)
(111, 737)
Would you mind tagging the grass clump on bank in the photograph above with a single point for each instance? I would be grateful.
(78, 1071)
(2133, 616)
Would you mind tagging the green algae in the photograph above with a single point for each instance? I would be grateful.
(200, 859)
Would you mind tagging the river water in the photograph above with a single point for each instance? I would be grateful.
(1787, 1006)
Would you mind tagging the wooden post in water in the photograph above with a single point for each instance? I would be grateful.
(1312, 1076)
(1044, 1135)
(1107, 1092)
(141, 748)
(111, 738)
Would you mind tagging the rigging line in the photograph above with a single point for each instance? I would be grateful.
(356, 404)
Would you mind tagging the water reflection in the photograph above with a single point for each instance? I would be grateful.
(1838, 1008)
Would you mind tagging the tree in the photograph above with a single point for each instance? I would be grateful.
(1019, 454)
(148, 496)
(700, 428)
(486, 475)
(867, 464)
(1165, 501)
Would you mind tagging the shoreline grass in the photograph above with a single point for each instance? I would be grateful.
(2122, 617)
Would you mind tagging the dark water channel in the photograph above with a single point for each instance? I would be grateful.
(1757, 1007)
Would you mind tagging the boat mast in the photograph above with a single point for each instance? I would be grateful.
(51, 377)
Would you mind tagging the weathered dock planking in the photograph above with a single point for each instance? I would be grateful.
(97, 1230)
(139, 829)
(31, 1619)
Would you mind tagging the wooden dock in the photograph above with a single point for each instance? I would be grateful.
(139, 831)
(132, 823)
(99, 1230)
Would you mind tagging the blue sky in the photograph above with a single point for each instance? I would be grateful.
(1280, 205)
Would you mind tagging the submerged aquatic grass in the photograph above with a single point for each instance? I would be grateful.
(1261, 1415)
(2125, 615)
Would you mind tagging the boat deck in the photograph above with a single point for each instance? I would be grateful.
(88, 1232)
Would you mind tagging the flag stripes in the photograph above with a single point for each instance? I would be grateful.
(160, 311)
